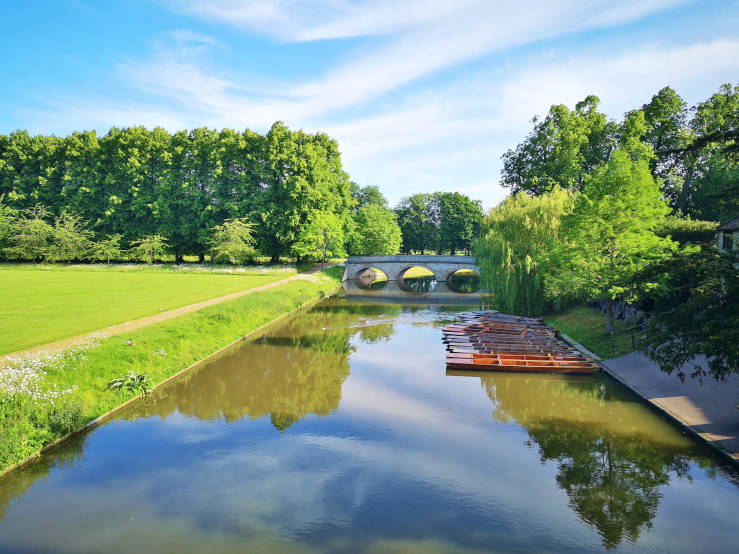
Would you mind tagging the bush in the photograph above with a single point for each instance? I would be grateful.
(685, 230)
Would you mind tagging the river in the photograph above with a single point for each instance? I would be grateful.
(341, 431)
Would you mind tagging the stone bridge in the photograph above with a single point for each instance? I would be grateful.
(395, 266)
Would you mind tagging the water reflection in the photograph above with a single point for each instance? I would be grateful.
(464, 281)
(339, 431)
(292, 371)
(371, 279)
(612, 455)
(67, 455)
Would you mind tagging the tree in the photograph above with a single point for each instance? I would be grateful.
(418, 217)
(71, 240)
(695, 312)
(107, 249)
(517, 235)
(149, 247)
(233, 241)
(609, 235)
(33, 235)
(459, 221)
(365, 196)
(561, 150)
(376, 232)
(8, 219)
(322, 236)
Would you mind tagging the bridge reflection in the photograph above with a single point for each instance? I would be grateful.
(430, 290)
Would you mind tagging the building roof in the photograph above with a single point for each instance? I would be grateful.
(730, 225)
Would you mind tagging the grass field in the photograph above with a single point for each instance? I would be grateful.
(42, 304)
(588, 327)
(47, 396)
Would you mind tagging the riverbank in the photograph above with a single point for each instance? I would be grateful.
(54, 394)
(708, 410)
(48, 303)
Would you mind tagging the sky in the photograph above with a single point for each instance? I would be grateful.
(421, 95)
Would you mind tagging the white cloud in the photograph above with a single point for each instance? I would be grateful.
(446, 134)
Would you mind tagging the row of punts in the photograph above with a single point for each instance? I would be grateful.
(490, 340)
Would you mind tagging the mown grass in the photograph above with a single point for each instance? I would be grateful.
(45, 303)
(588, 327)
(30, 420)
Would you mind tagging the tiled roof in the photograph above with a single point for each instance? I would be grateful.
(730, 225)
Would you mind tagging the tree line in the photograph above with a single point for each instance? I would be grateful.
(137, 194)
(138, 183)
(625, 213)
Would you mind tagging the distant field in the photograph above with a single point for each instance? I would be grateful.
(41, 304)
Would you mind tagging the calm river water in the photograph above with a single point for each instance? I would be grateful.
(341, 431)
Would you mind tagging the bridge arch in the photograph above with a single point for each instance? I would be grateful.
(401, 272)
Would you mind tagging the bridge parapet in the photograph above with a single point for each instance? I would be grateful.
(394, 266)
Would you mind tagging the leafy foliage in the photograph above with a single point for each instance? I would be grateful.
(684, 230)
(560, 150)
(609, 235)
(321, 237)
(376, 232)
(138, 183)
(517, 234)
(443, 221)
(695, 313)
(233, 241)
(132, 382)
(146, 249)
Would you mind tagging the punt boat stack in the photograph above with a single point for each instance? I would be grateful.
(490, 340)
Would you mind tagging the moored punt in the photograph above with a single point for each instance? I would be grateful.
(492, 341)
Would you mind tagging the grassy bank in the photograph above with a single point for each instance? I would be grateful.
(48, 397)
(588, 327)
(43, 303)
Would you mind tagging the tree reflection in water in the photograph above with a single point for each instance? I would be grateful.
(68, 453)
(293, 371)
(612, 454)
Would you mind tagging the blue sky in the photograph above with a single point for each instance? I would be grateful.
(422, 95)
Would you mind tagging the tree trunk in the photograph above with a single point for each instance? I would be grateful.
(683, 201)
(610, 315)
(275, 259)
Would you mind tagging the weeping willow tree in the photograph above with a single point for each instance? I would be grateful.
(511, 252)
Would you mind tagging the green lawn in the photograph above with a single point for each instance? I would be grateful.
(29, 421)
(41, 304)
(588, 327)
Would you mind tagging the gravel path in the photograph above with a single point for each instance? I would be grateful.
(128, 326)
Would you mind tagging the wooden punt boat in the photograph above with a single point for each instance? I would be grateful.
(491, 341)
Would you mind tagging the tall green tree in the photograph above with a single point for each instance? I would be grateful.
(376, 232)
(305, 184)
(459, 221)
(320, 238)
(418, 217)
(511, 253)
(610, 235)
(694, 313)
(368, 195)
(561, 149)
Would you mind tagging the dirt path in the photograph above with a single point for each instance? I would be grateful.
(128, 326)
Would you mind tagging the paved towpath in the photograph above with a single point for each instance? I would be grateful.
(128, 326)
(709, 409)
